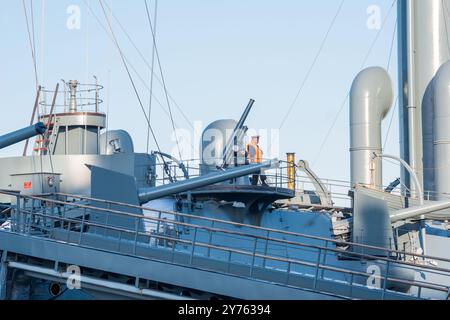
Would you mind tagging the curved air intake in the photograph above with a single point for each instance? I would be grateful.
(441, 132)
(371, 98)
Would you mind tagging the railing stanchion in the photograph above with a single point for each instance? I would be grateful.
(82, 226)
(351, 285)
(29, 224)
(193, 246)
(68, 230)
(288, 272)
(324, 262)
(317, 267)
(136, 232)
(265, 248)
(158, 224)
(173, 250)
(106, 223)
(210, 238)
(385, 280)
(419, 292)
(255, 247)
(229, 261)
(120, 239)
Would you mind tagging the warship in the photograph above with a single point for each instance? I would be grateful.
(85, 216)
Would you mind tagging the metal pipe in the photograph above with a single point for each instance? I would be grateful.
(149, 194)
(291, 170)
(413, 135)
(423, 48)
(410, 170)
(420, 194)
(371, 98)
(101, 285)
(442, 131)
(33, 115)
(73, 84)
(22, 135)
(416, 212)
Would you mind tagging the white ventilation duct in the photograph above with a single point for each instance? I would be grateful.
(441, 131)
(371, 98)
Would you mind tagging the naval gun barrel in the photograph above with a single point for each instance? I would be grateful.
(244, 116)
(146, 195)
(22, 135)
(237, 132)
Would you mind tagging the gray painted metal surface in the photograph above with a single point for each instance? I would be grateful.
(416, 212)
(311, 269)
(116, 141)
(74, 171)
(441, 131)
(370, 100)
(371, 224)
(213, 144)
(73, 133)
(423, 48)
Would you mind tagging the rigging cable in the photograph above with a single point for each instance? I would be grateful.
(31, 39)
(166, 167)
(162, 78)
(341, 108)
(149, 65)
(397, 98)
(316, 58)
(42, 41)
(390, 122)
(91, 11)
(444, 9)
(33, 34)
(155, 19)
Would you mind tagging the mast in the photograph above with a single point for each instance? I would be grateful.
(423, 49)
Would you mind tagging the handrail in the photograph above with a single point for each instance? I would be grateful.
(253, 254)
(326, 181)
(366, 256)
(236, 224)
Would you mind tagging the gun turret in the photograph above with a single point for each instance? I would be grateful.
(22, 135)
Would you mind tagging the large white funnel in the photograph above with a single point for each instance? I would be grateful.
(441, 131)
(371, 98)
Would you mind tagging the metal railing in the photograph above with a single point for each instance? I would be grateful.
(87, 99)
(278, 178)
(46, 215)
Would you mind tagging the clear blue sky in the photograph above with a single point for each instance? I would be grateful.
(216, 55)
